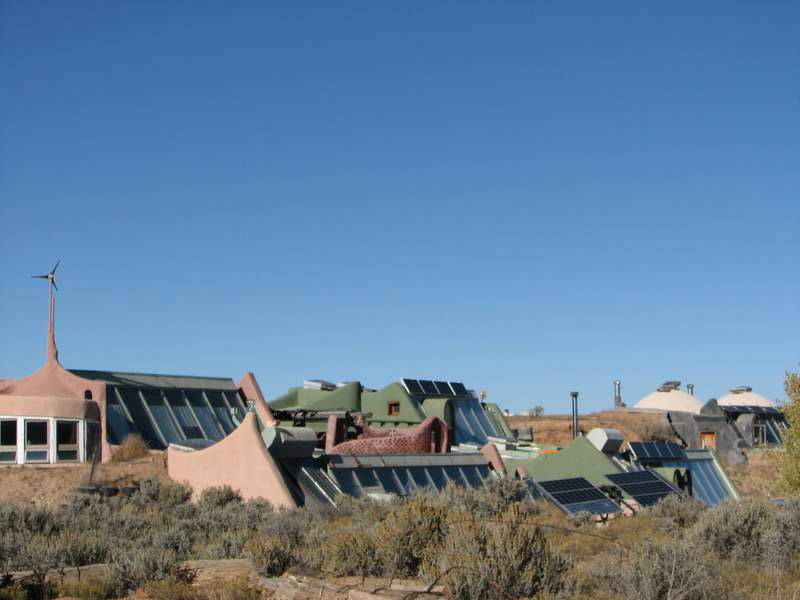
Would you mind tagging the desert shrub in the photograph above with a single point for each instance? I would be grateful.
(488, 560)
(749, 530)
(581, 520)
(675, 571)
(271, 555)
(137, 564)
(490, 501)
(237, 588)
(229, 544)
(677, 511)
(88, 588)
(172, 588)
(165, 496)
(77, 548)
(410, 533)
(351, 551)
(132, 447)
(15, 591)
(216, 497)
(36, 553)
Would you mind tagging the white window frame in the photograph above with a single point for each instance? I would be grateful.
(78, 440)
(16, 444)
(37, 448)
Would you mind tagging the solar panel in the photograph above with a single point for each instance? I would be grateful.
(656, 450)
(412, 386)
(428, 388)
(644, 486)
(443, 388)
(458, 388)
(576, 495)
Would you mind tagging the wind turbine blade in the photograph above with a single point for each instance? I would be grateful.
(54, 268)
(40, 277)
(55, 286)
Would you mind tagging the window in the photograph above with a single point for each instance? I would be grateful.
(66, 441)
(8, 440)
(708, 439)
(37, 434)
(394, 409)
(183, 414)
(92, 439)
(87, 395)
(759, 434)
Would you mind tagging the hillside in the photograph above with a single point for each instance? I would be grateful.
(557, 429)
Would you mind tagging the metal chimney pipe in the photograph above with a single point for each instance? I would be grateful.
(690, 387)
(574, 414)
(617, 392)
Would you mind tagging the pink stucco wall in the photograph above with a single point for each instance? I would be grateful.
(240, 460)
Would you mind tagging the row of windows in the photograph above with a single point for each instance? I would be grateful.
(42, 440)
(171, 416)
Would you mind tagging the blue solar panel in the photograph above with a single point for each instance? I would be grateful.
(656, 450)
(576, 495)
(645, 487)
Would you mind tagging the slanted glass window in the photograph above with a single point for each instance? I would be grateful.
(236, 402)
(118, 426)
(37, 441)
(184, 415)
(221, 409)
(8, 440)
(92, 439)
(158, 408)
(141, 420)
(66, 441)
(203, 412)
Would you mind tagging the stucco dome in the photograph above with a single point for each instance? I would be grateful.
(743, 396)
(672, 400)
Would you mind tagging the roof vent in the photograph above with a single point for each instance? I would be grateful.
(741, 389)
(318, 384)
(669, 386)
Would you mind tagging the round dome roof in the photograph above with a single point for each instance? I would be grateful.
(674, 400)
(743, 397)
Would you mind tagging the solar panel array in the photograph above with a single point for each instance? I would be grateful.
(576, 495)
(746, 410)
(645, 451)
(644, 486)
(427, 387)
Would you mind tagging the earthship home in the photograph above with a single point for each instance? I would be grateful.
(61, 416)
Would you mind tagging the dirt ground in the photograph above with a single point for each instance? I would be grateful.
(52, 484)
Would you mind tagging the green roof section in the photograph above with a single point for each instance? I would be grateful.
(579, 459)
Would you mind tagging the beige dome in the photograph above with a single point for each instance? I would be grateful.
(672, 400)
(743, 396)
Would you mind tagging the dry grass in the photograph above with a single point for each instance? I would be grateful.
(53, 484)
(760, 475)
(556, 430)
(132, 447)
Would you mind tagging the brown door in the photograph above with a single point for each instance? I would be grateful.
(708, 439)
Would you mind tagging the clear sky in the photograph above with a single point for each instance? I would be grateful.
(528, 197)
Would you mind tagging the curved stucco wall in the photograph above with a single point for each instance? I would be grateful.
(674, 400)
(744, 399)
(239, 460)
(39, 406)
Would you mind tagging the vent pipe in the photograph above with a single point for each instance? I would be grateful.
(574, 414)
(618, 394)
(690, 387)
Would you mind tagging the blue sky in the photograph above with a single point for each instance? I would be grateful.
(528, 197)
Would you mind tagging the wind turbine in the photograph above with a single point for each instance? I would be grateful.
(51, 277)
